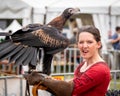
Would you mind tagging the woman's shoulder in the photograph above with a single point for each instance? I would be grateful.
(102, 64)
(101, 67)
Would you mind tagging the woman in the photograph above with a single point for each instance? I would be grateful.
(91, 77)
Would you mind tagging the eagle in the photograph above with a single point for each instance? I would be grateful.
(23, 46)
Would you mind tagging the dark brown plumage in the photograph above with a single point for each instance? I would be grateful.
(24, 44)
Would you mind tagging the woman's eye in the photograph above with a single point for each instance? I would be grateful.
(80, 42)
(89, 42)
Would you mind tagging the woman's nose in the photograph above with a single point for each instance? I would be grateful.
(85, 45)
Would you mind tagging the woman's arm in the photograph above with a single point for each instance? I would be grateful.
(57, 87)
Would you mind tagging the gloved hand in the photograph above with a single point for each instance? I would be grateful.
(56, 87)
(34, 78)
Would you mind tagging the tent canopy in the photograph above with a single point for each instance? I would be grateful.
(27, 8)
(86, 6)
(105, 13)
(13, 9)
(19, 8)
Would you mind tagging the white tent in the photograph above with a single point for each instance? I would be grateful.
(39, 9)
(86, 6)
(115, 15)
(14, 26)
(105, 13)
(15, 9)
(32, 11)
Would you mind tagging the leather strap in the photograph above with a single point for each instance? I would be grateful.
(27, 91)
(36, 87)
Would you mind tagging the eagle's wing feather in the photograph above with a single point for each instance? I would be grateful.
(34, 59)
(23, 57)
(6, 56)
(7, 50)
(43, 37)
(4, 45)
(17, 55)
(29, 57)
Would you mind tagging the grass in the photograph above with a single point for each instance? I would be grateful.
(115, 85)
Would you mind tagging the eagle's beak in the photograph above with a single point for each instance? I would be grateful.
(76, 11)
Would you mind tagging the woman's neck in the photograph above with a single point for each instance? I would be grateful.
(93, 60)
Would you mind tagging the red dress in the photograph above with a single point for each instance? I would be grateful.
(92, 82)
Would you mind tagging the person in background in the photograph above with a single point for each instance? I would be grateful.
(108, 43)
(73, 44)
(73, 38)
(115, 39)
(91, 77)
(109, 55)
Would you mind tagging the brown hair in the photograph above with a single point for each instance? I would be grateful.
(90, 29)
(117, 28)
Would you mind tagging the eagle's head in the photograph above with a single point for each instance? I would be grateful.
(70, 11)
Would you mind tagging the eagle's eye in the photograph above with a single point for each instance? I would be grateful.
(70, 10)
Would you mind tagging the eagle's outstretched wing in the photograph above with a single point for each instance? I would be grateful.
(24, 44)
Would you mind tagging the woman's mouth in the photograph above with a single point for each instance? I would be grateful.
(84, 52)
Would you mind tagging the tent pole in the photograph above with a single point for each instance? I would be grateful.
(45, 15)
(109, 13)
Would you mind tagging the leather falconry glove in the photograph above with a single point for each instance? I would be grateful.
(56, 87)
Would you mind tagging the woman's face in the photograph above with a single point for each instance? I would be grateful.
(88, 45)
